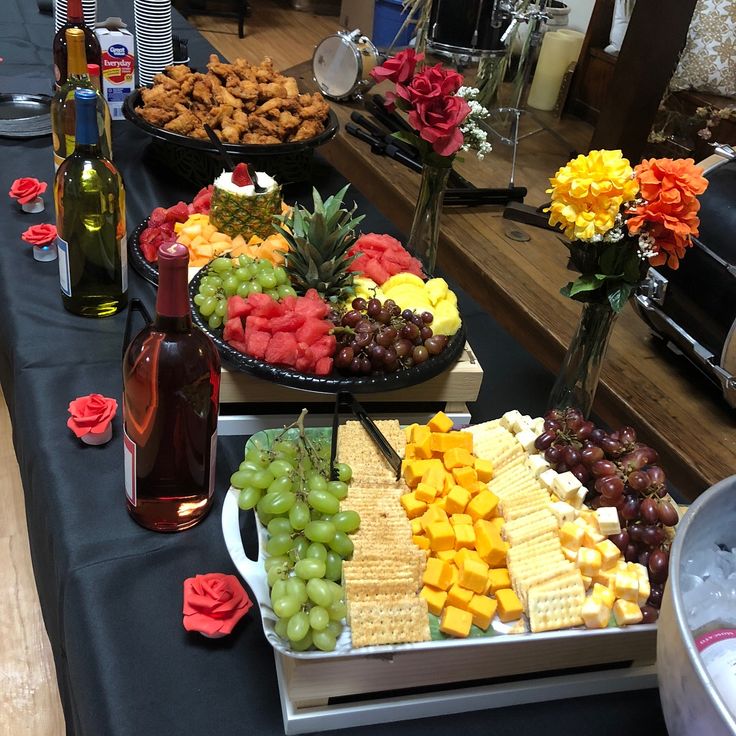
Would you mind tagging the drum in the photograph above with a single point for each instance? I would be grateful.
(342, 63)
(694, 307)
(469, 27)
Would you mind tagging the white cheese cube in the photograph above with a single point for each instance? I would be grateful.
(610, 553)
(595, 613)
(588, 561)
(509, 418)
(521, 423)
(608, 522)
(626, 586)
(527, 438)
(587, 581)
(563, 512)
(603, 594)
(566, 485)
(537, 464)
(548, 478)
(578, 500)
(538, 425)
(626, 613)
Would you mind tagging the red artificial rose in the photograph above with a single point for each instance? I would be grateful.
(26, 189)
(439, 124)
(214, 603)
(91, 414)
(398, 68)
(40, 234)
(430, 86)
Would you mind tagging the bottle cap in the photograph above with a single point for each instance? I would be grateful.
(85, 101)
(174, 254)
(93, 70)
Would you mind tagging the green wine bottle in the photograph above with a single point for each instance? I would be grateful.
(63, 107)
(90, 220)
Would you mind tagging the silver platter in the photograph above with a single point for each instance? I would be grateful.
(25, 116)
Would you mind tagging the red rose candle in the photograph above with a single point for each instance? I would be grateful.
(27, 191)
(43, 239)
(91, 418)
(214, 603)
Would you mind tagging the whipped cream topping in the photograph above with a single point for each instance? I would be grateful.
(225, 181)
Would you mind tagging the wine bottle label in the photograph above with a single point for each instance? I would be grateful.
(65, 277)
(718, 652)
(213, 461)
(124, 262)
(129, 451)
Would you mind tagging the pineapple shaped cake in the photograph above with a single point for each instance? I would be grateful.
(241, 206)
(318, 246)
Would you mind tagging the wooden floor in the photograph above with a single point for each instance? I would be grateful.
(29, 702)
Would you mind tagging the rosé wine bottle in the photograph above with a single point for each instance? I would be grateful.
(171, 385)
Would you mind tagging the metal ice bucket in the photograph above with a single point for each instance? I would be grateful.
(691, 704)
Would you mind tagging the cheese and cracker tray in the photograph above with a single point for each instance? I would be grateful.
(518, 526)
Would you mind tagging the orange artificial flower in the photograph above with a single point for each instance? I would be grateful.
(669, 189)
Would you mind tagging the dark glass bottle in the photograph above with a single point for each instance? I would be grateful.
(93, 52)
(171, 385)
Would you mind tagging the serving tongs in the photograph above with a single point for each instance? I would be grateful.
(346, 400)
(227, 159)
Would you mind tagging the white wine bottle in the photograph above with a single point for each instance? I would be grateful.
(90, 220)
(63, 106)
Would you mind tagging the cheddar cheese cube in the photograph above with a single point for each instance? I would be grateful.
(603, 594)
(440, 504)
(463, 554)
(465, 476)
(457, 457)
(570, 554)
(413, 471)
(464, 536)
(498, 577)
(606, 578)
(610, 553)
(416, 526)
(458, 519)
(589, 561)
(509, 605)
(455, 622)
(473, 575)
(477, 487)
(456, 500)
(626, 613)
(422, 442)
(459, 596)
(645, 590)
(440, 422)
(498, 523)
(410, 451)
(446, 554)
(409, 432)
(413, 506)
(441, 536)
(626, 586)
(488, 543)
(437, 573)
(587, 581)
(435, 599)
(420, 541)
(484, 469)
(425, 492)
(571, 535)
(434, 474)
(454, 574)
(483, 610)
(595, 613)
(482, 506)
(591, 537)
(442, 442)
(432, 514)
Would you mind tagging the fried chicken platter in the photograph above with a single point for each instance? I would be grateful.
(243, 103)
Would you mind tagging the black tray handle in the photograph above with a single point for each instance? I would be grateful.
(135, 305)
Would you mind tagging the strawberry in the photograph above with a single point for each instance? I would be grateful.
(241, 176)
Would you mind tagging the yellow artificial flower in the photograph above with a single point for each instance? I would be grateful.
(588, 192)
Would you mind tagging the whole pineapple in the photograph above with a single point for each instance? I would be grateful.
(318, 246)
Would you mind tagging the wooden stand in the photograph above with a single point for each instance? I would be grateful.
(249, 404)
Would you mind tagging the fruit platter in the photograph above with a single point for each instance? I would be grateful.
(520, 528)
(298, 295)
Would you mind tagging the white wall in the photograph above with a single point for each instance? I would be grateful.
(580, 11)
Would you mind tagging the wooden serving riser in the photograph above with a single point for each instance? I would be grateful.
(342, 692)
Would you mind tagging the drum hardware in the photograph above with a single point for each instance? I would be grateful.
(723, 149)
(654, 287)
(342, 63)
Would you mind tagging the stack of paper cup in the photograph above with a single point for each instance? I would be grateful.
(89, 9)
(153, 38)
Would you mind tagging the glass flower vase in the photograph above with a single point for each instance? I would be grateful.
(425, 227)
(577, 380)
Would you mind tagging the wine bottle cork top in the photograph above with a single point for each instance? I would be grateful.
(174, 254)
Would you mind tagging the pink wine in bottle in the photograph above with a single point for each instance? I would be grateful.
(171, 385)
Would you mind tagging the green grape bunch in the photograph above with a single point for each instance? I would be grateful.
(289, 485)
(243, 276)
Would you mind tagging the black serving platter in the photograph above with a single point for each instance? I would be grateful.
(335, 381)
(144, 268)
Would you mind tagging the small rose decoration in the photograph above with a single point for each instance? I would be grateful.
(399, 68)
(26, 189)
(214, 603)
(40, 234)
(91, 417)
(439, 123)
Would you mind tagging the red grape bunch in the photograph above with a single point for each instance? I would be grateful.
(620, 472)
(379, 338)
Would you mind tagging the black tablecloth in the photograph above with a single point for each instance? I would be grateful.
(111, 592)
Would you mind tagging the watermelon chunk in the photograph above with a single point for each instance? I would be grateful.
(234, 330)
(303, 364)
(178, 213)
(289, 322)
(374, 270)
(238, 307)
(158, 217)
(239, 346)
(258, 324)
(323, 367)
(324, 347)
(282, 349)
(264, 306)
(312, 330)
(256, 343)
